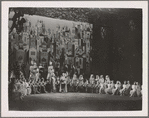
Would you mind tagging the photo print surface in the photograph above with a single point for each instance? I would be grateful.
(75, 59)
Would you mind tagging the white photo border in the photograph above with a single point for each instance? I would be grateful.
(83, 4)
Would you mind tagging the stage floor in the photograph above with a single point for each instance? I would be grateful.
(76, 102)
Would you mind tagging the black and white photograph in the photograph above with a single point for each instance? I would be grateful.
(74, 57)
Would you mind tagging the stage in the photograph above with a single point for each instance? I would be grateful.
(76, 102)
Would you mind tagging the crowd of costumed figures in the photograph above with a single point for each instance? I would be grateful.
(60, 80)
(67, 81)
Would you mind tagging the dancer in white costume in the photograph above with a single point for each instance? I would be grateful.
(50, 68)
(75, 82)
(28, 87)
(133, 92)
(85, 85)
(80, 84)
(112, 85)
(116, 91)
(16, 90)
(63, 83)
(97, 78)
(97, 84)
(37, 75)
(107, 79)
(53, 82)
(128, 88)
(108, 89)
(33, 70)
(102, 86)
(91, 83)
(101, 79)
(138, 89)
(91, 80)
(122, 91)
(24, 87)
(141, 90)
(50, 71)
(68, 82)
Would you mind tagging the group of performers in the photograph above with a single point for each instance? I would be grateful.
(20, 87)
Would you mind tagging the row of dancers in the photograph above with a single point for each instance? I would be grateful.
(20, 87)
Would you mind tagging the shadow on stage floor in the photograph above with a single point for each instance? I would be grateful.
(76, 102)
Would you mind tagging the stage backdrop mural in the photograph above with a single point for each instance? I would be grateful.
(47, 39)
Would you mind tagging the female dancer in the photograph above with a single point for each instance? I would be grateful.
(133, 92)
(122, 91)
(80, 84)
(138, 89)
(75, 82)
(128, 88)
(116, 91)
(97, 85)
(102, 87)
(86, 85)
(62, 82)
(91, 83)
